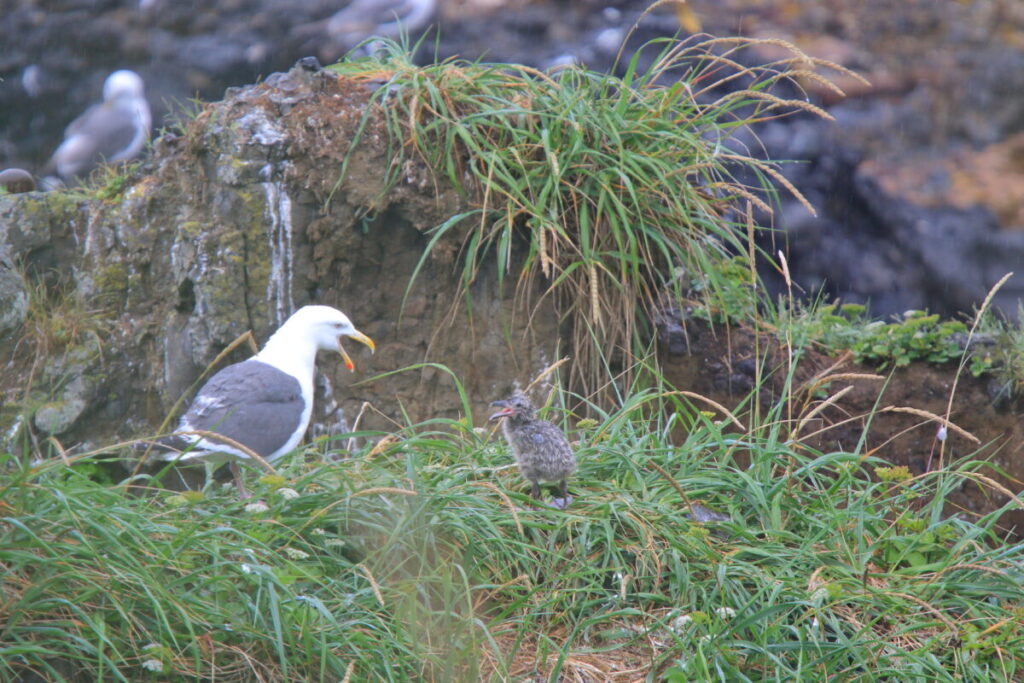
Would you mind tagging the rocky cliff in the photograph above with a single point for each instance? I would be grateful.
(116, 300)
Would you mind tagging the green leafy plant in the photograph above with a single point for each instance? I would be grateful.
(916, 336)
(999, 351)
(734, 296)
(914, 545)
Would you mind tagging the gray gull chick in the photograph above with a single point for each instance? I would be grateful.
(539, 447)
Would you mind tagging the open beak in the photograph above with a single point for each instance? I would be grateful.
(505, 411)
(359, 337)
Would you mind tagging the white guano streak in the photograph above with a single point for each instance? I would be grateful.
(282, 258)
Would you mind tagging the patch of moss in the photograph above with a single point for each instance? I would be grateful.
(257, 257)
(191, 229)
(110, 181)
(58, 204)
(112, 188)
(113, 278)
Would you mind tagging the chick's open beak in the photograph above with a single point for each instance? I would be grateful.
(505, 411)
(360, 337)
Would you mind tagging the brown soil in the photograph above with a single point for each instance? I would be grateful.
(892, 405)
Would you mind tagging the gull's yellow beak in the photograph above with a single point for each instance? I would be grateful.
(359, 337)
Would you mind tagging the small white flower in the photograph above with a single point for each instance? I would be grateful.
(335, 542)
(288, 493)
(319, 532)
(296, 554)
(943, 433)
(153, 665)
(246, 569)
(256, 506)
(725, 612)
(479, 431)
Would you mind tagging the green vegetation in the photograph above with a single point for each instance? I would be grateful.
(595, 189)
(421, 559)
(994, 347)
(59, 321)
(110, 180)
(1000, 352)
(918, 336)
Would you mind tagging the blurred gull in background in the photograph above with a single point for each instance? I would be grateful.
(114, 130)
(362, 19)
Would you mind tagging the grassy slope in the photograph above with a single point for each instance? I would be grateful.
(423, 560)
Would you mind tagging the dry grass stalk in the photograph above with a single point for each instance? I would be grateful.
(934, 418)
(831, 400)
(373, 584)
(384, 489)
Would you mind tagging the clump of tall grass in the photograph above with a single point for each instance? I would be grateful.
(422, 558)
(614, 185)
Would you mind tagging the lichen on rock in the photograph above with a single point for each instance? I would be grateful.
(13, 300)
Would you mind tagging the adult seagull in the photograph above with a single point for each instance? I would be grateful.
(263, 403)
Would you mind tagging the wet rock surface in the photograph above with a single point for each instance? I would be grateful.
(13, 300)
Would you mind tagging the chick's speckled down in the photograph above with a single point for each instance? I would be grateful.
(540, 448)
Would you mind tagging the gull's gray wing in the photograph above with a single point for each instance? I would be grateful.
(250, 402)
